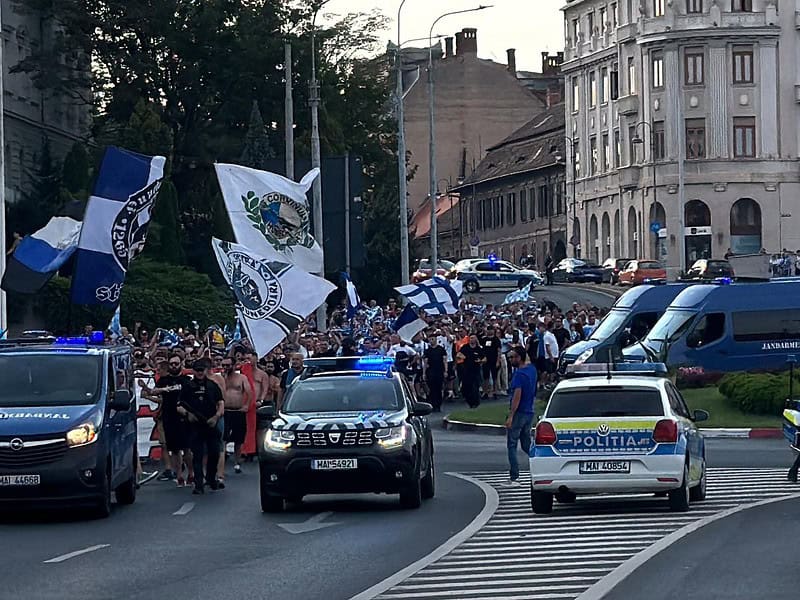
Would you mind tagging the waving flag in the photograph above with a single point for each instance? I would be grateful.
(408, 324)
(115, 327)
(436, 296)
(270, 215)
(39, 255)
(520, 295)
(272, 298)
(353, 301)
(115, 226)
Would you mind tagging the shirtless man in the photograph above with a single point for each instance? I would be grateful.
(238, 394)
(260, 379)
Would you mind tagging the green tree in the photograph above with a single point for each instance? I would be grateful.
(163, 236)
(37, 207)
(257, 148)
(76, 171)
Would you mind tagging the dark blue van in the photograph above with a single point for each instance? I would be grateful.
(67, 423)
(727, 327)
(631, 317)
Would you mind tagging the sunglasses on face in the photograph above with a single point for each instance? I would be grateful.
(174, 364)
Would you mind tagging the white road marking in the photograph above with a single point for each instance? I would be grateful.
(184, 510)
(63, 557)
(311, 524)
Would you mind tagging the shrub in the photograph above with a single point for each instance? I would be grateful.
(756, 393)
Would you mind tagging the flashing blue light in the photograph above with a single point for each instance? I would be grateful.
(95, 339)
(375, 366)
(723, 280)
(492, 258)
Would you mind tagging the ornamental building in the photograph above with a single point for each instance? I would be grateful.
(682, 128)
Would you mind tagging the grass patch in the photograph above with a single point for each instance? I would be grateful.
(708, 398)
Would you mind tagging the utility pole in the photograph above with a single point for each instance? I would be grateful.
(347, 212)
(289, 111)
(3, 305)
(405, 266)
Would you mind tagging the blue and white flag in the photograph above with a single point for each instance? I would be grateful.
(115, 327)
(272, 298)
(40, 255)
(436, 296)
(270, 215)
(520, 295)
(115, 225)
(353, 301)
(408, 324)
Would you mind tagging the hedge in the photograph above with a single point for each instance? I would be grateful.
(757, 393)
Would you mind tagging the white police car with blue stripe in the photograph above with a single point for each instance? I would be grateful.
(626, 430)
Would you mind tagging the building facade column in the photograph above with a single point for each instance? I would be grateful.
(718, 127)
(768, 74)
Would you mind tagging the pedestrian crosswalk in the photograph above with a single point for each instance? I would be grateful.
(519, 555)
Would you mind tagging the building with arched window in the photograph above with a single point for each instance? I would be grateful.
(685, 122)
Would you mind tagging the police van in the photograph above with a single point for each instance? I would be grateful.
(626, 430)
(67, 423)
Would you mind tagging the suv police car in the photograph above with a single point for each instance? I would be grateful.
(622, 431)
(67, 423)
(347, 425)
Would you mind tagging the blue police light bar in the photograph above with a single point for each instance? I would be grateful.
(618, 369)
(95, 339)
(723, 281)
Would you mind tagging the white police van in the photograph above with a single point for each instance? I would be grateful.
(626, 430)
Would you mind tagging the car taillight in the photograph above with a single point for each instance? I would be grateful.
(666, 432)
(545, 434)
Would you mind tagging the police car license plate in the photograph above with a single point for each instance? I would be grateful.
(605, 466)
(15, 480)
(334, 464)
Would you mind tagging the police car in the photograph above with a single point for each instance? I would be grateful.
(67, 423)
(626, 430)
(347, 425)
(493, 275)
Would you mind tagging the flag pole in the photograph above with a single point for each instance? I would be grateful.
(289, 110)
(3, 306)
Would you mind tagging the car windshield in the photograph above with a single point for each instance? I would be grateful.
(342, 394)
(590, 265)
(49, 380)
(670, 326)
(649, 265)
(605, 401)
(610, 324)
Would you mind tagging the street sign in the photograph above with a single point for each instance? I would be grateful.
(475, 241)
(655, 226)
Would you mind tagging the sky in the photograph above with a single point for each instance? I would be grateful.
(530, 26)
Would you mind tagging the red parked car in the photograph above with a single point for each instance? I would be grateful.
(641, 271)
(423, 271)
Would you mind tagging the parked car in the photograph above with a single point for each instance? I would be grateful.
(709, 269)
(423, 270)
(643, 271)
(497, 275)
(612, 268)
(463, 264)
(574, 270)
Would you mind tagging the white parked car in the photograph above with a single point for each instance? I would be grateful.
(486, 275)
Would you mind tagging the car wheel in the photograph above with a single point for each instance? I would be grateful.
(411, 493)
(429, 481)
(103, 508)
(698, 492)
(541, 502)
(471, 286)
(679, 498)
(126, 493)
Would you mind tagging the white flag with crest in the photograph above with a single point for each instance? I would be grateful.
(270, 214)
(272, 297)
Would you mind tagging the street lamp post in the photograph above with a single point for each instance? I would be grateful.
(405, 267)
(573, 147)
(639, 140)
(432, 134)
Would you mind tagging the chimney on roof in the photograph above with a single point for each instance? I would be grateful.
(512, 61)
(448, 47)
(467, 41)
(551, 65)
(553, 97)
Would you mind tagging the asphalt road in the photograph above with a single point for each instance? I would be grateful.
(752, 554)
(562, 295)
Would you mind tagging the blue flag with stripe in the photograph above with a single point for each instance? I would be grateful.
(115, 224)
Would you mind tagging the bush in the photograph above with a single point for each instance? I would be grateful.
(756, 393)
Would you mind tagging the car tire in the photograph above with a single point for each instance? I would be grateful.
(471, 286)
(698, 492)
(429, 481)
(103, 508)
(126, 493)
(541, 502)
(411, 493)
(679, 498)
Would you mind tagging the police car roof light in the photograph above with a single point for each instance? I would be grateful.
(618, 369)
(723, 281)
(95, 339)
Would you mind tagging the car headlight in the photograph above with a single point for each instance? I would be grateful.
(82, 436)
(278, 441)
(585, 355)
(391, 437)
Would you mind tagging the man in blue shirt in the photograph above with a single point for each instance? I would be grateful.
(520, 416)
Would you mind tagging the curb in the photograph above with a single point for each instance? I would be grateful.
(762, 433)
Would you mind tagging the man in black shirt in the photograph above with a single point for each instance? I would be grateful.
(473, 357)
(202, 403)
(435, 368)
(170, 384)
(562, 334)
(491, 349)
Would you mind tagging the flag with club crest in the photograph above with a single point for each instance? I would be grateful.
(272, 297)
(115, 224)
(270, 214)
(436, 296)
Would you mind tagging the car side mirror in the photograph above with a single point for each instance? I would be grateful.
(699, 416)
(264, 416)
(121, 400)
(422, 409)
